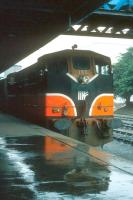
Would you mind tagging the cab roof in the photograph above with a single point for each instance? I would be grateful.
(70, 52)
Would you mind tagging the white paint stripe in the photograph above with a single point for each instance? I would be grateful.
(72, 77)
(65, 96)
(94, 101)
(93, 78)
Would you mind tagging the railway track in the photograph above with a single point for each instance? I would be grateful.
(125, 117)
(125, 133)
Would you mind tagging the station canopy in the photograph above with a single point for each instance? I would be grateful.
(27, 25)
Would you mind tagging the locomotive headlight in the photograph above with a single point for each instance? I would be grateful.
(56, 110)
(83, 79)
(62, 110)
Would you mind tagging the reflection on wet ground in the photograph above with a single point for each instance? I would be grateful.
(42, 168)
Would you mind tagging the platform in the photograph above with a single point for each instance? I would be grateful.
(40, 164)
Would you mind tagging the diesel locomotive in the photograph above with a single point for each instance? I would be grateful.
(70, 91)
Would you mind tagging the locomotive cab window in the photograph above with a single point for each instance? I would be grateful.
(102, 67)
(81, 63)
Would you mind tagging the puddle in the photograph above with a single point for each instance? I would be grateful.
(39, 168)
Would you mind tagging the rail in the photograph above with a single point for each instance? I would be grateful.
(125, 133)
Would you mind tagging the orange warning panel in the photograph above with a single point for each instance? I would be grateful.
(103, 105)
(59, 105)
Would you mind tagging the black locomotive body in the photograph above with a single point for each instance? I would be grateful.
(70, 91)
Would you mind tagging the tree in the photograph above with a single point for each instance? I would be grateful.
(123, 75)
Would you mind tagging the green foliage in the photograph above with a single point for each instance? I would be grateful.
(123, 75)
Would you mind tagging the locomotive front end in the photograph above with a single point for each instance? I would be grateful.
(79, 101)
(92, 92)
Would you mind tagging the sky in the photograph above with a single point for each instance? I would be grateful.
(111, 47)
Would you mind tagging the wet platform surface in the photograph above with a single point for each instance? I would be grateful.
(42, 165)
(42, 168)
